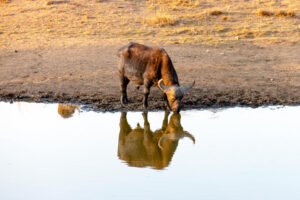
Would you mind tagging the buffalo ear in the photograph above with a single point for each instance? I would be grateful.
(186, 88)
(162, 87)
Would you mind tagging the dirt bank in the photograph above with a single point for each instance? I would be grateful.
(225, 76)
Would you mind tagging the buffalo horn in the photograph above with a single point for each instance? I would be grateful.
(186, 88)
(161, 86)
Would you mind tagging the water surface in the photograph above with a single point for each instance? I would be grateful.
(50, 151)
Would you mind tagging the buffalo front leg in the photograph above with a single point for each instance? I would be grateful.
(123, 87)
(147, 84)
(166, 101)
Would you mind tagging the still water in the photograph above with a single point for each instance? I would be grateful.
(59, 152)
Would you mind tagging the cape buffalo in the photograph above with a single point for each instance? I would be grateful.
(146, 66)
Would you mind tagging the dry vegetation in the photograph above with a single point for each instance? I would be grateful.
(281, 13)
(4, 1)
(38, 23)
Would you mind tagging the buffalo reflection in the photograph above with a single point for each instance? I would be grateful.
(66, 110)
(140, 147)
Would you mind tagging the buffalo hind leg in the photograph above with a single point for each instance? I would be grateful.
(123, 87)
(147, 86)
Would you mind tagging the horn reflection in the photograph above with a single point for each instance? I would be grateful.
(140, 147)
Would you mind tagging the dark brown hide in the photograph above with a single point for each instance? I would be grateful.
(144, 65)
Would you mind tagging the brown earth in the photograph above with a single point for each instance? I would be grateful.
(225, 75)
(238, 52)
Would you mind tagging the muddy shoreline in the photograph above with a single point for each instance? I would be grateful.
(244, 75)
(112, 103)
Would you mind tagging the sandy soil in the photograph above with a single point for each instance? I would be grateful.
(225, 76)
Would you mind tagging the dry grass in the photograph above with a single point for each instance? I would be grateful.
(281, 13)
(285, 14)
(55, 2)
(5, 1)
(161, 20)
(216, 13)
(34, 23)
(264, 13)
(172, 3)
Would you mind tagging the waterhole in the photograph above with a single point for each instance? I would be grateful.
(59, 151)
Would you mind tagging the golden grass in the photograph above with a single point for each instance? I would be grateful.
(161, 20)
(216, 12)
(5, 1)
(264, 13)
(207, 22)
(55, 2)
(176, 2)
(280, 13)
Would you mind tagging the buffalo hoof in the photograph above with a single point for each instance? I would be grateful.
(168, 108)
(124, 100)
(145, 106)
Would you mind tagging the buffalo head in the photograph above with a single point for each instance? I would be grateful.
(175, 94)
